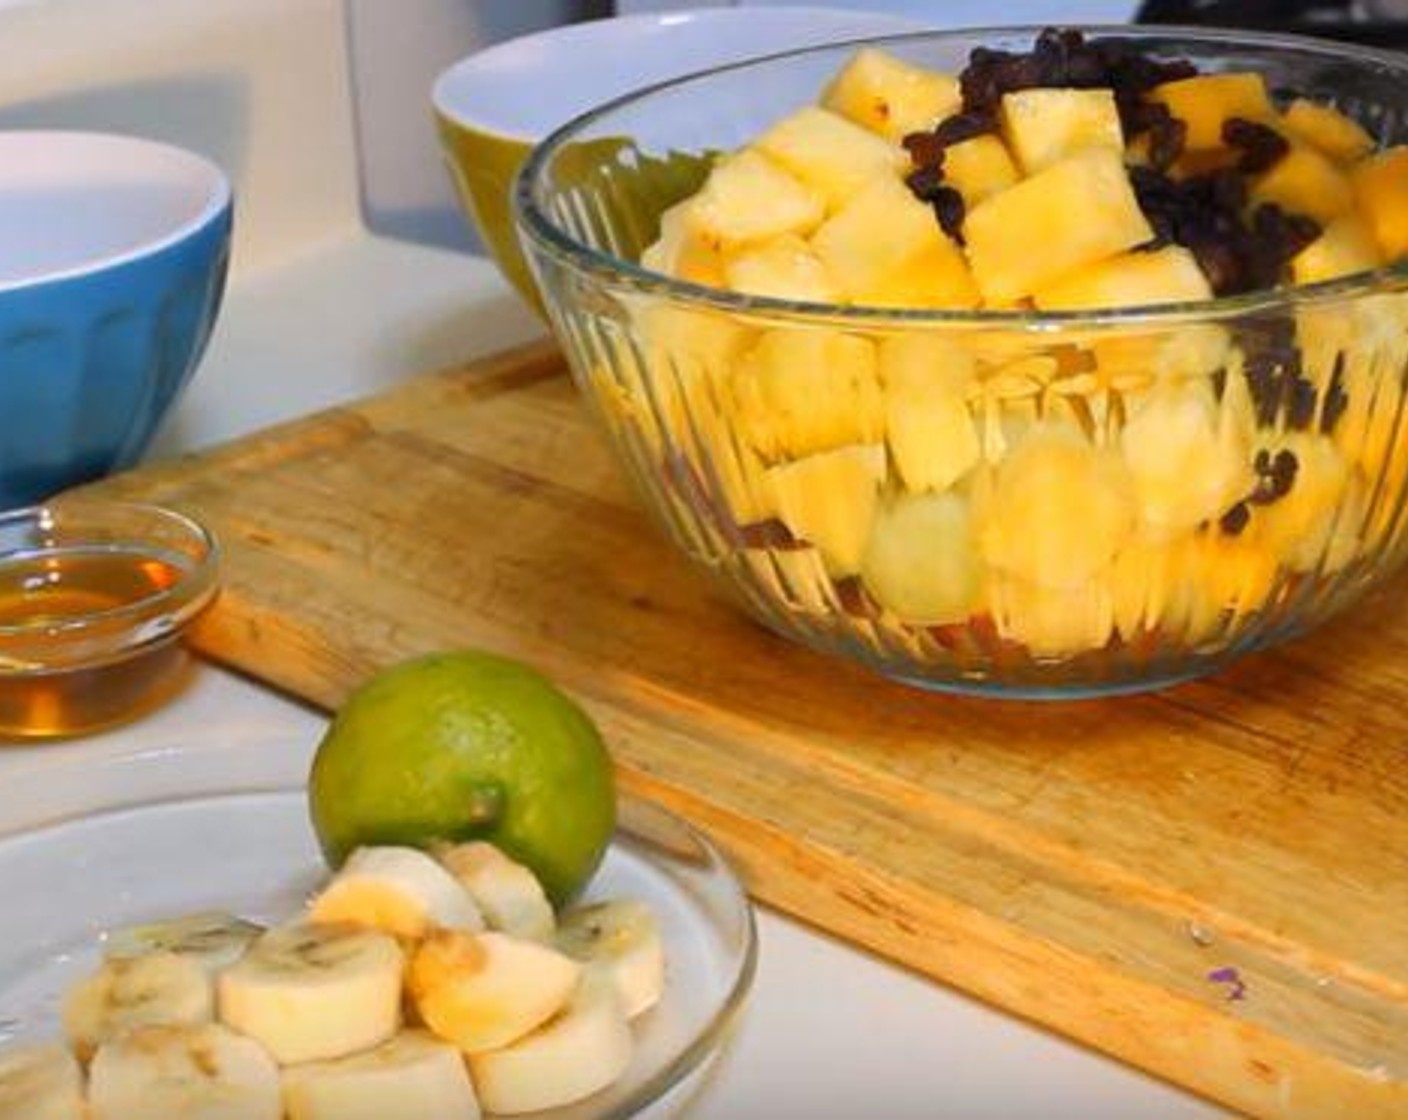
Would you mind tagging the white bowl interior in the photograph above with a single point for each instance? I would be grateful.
(502, 89)
(72, 202)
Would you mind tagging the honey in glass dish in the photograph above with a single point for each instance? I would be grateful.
(93, 599)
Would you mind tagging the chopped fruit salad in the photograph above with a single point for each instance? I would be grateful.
(435, 985)
(969, 486)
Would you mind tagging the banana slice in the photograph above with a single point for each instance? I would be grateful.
(623, 938)
(312, 992)
(576, 1054)
(507, 893)
(413, 1077)
(157, 989)
(40, 1083)
(484, 990)
(399, 890)
(183, 1073)
(213, 939)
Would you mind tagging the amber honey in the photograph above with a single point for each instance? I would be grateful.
(68, 618)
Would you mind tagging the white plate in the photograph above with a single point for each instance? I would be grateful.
(137, 838)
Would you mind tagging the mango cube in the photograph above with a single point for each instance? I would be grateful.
(889, 96)
(1044, 126)
(979, 168)
(748, 197)
(829, 500)
(885, 248)
(1305, 182)
(830, 154)
(1346, 246)
(1381, 189)
(1327, 130)
(783, 268)
(1168, 275)
(921, 561)
(1206, 101)
(930, 427)
(1072, 214)
(802, 391)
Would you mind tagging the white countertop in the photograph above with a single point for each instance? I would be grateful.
(320, 311)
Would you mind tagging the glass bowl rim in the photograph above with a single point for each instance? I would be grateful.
(191, 590)
(547, 236)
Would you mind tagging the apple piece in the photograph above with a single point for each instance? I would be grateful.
(979, 168)
(1044, 126)
(1326, 129)
(830, 154)
(1024, 239)
(784, 268)
(829, 500)
(921, 562)
(889, 96)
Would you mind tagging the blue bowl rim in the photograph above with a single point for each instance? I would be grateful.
(217, 205)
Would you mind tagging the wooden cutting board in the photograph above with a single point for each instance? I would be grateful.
(1210, 883)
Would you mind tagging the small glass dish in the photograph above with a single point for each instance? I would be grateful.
(94, 597)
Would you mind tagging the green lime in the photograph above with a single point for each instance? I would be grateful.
(461, 746)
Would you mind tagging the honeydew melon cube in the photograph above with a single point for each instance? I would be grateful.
(801, 391)
(1327, 130)
(889, 96)
(830, 154)
(1044, 126)
(829, 500)
(748, 197)
(1206, 101)
(921, 561)
(1381, 190)
(785, 267)
(1072, 214)
(1059, 510)
(928, 421)
(885, 248)
(979, 168)
(1305, 182)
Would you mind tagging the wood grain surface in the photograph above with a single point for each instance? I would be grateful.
(1094, 866)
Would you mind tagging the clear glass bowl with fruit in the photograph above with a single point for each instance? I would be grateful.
(1041, 363)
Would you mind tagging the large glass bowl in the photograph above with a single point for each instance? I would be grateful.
(1018, 502)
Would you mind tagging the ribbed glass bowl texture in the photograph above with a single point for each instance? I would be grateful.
(1078, 522)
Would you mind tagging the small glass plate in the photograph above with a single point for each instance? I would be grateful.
(72, 867)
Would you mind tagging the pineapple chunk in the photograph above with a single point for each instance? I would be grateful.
(979, 168)
(1168, 275)
(922, 561)
(1347, 246)
(783, 268)
(1327, 130)
(1233, 574)
(890, 96)
(802, 391)
(747, 198)
(1044, 126)
(830, 154)
(885, 248)
(1204, 102)
(1023, 239)
(930, 429)
(1053, 622)
(829, 500)
(1059, 509)
(681, 252)
(1299, 526)
(1186, 466)
(1381, 189)
(1305, 182)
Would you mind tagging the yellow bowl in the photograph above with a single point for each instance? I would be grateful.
(494, 106)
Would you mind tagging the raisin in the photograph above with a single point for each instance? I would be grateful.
(926, 182)
(963, 126)
(1336, 399)
(1235, 519)
(925, 149)
(950, 211)
(1261, 146)
(1276, 474)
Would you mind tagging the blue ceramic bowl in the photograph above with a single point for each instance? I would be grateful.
(113, 255)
